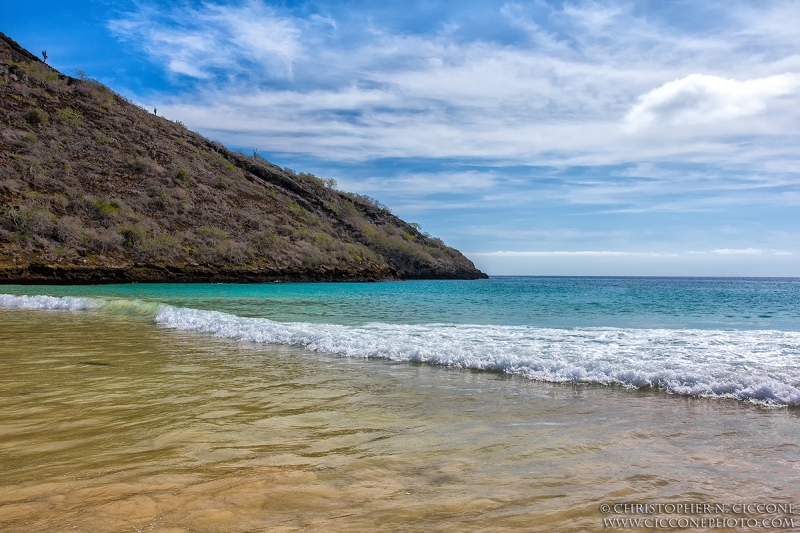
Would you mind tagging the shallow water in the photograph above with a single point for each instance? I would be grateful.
(651, 303)
(109, 422)
(724, 338)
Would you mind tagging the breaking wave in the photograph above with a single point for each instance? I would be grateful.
(109, 306)
(749, 365)
(746, 365)
(46, 302)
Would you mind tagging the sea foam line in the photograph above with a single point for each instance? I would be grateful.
(114, 306)
(47, 302)
(759, 366)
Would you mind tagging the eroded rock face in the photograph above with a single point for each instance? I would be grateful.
(43, 273)
(94, 189)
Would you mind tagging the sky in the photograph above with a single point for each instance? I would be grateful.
(645, 138)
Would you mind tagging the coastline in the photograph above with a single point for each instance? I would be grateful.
(573, 331)
(95, 273)
(54, 274)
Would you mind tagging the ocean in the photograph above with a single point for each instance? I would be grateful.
(492, 405)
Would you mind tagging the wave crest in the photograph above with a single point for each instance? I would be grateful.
(759, 366)
(46, 302)
(747, 365)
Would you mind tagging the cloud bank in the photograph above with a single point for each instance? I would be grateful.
(575, 85)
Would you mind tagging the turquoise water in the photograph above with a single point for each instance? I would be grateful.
(734, 338)
(700, 303)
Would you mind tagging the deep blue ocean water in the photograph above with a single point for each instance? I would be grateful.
(737, 338)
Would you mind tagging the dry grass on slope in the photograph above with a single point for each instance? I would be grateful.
(89, 180)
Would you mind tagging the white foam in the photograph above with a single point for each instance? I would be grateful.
(47, 302)
(760, 366)
(111, 306)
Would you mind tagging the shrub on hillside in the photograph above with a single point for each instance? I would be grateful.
(70, 117)
(37, 117)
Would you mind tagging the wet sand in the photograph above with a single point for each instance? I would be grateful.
(109, 423)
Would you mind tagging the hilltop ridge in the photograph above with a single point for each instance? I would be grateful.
(94, 189)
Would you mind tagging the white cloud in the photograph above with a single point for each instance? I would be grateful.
(742, 251)
(581, 253)
(735, 251)
(420, 184)
(609, 253)
(614, 264)
(705, 99)
(570, 95)
(193, 42)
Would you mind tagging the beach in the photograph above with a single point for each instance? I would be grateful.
(114, 422)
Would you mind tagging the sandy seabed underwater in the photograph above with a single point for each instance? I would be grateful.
(172, 414)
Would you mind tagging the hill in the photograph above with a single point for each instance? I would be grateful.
(94, 189)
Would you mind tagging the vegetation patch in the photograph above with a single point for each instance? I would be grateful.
(37, 117)
(70, 117)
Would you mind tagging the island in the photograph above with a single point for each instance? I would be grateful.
(96, 189)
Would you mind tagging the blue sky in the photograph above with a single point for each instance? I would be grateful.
(553, 138)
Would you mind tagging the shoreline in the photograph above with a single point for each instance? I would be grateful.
(624, 357)
(54, 274)
(112, 427)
